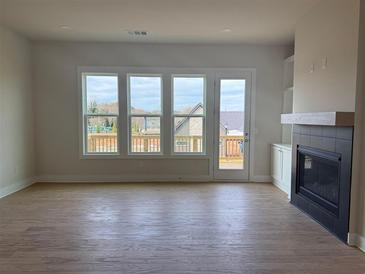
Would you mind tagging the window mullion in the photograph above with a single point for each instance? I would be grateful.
(123, 111)
(167, 111)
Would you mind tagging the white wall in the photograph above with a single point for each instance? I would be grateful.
(357, 218)
(335, 29)
(16, 113)
(329, 30)
(56, 112)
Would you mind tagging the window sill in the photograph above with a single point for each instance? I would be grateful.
(144, 157)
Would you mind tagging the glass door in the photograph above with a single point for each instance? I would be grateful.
(232, 111)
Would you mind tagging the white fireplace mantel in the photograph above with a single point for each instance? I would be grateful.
(345, 119)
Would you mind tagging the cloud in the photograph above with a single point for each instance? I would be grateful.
(146, 92)
(102, 89)
(232, 95)
(188, 92)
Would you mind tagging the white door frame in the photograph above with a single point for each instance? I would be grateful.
(245, 174)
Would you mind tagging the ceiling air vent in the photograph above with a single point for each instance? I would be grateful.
(137, 32)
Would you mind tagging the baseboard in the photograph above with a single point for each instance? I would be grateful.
(356, 240)
(119, 178)
(5, 191)
(138, 178)
(261, 179)
(280, 186)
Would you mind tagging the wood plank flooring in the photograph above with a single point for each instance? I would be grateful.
(165, 228)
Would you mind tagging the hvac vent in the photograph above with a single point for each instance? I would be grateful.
(137, 32)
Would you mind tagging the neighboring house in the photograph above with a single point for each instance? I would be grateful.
(231, 123)
(190, 126)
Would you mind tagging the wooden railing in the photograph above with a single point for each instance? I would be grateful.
(146, 143)
(102, 142)
(188, 144)
(229, 146)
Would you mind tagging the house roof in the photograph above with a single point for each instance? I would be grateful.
(229, 120)
(232, 120)
(193, 111)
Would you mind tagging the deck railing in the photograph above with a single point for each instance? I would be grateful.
(102, 142)
(229, 146)
(146, 143)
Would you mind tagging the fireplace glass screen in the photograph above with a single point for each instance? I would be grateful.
(319, 177)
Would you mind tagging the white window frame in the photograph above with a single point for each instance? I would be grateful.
(167, 123)
(203, 116)
(86, 115)
(131, 115)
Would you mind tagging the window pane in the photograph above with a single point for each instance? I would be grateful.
(188, 133)
(102, 134)
(188, 95)
(145, 134)
(145, 94)
(102, 94)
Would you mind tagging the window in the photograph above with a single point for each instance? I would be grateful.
(100, 113)
(145, 113)
(189, 114)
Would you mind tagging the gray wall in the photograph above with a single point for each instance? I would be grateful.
(16, 113)
(56, 112)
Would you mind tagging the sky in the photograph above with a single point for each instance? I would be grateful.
(146, 92)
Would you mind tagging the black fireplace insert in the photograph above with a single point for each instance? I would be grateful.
(321, 180)
(319, 177)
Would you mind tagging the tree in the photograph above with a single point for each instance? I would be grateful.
(93, 107)
(107, 123)
(114, 128)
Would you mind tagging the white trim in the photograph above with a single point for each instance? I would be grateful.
(83, 116)
(250, 91)
(261, 179)
(166, 73)
(282, 187)
(142, 156)
(132, 115)
(356, 240)
(120, 178)
(139, 178)
(187, 115)
(251, 173)
(16, 186)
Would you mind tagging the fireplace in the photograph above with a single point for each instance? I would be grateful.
(318, 177)
(322, 175)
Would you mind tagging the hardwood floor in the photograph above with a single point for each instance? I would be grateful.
(164, 228)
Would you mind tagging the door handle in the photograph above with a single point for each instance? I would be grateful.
(246, 139)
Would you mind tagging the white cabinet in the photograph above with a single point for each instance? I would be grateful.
(281, 166)
(276, 163)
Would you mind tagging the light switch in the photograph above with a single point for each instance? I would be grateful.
(324, 62)
(311, 69)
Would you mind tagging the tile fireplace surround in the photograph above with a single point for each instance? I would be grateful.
(321, 167)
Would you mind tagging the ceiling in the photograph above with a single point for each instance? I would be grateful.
(166, 21)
